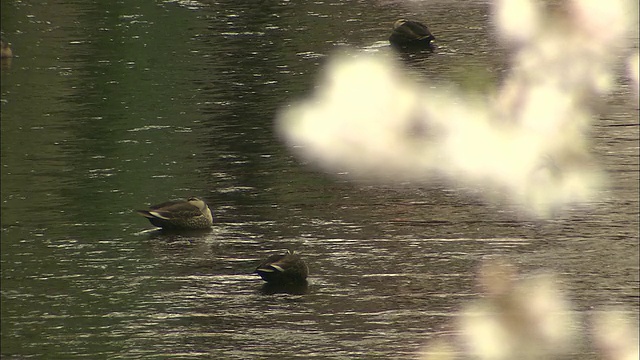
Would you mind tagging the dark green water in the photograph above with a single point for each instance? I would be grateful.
(109, 107)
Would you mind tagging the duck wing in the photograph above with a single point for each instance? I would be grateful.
(268, 264)
(170, 210)
(411, 31)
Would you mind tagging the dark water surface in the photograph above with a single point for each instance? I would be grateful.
(110, 106)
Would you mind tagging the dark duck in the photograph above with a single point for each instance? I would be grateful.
(408, 34)
(287, 268)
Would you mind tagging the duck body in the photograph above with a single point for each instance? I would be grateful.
(408, 34)
(190, 214)
(5, 50)
(287, 268)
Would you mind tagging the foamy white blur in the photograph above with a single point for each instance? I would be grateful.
(527, 140)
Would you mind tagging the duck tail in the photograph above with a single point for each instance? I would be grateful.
(145, 213)
(152, 214)
(271, 268)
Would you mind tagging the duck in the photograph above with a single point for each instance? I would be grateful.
(5, 50)
(190, 214)
(410, 34)
(287, 268)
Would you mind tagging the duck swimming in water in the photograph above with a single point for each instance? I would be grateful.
(408, 34)
(287, 268)
(190, 214)
(5, 50)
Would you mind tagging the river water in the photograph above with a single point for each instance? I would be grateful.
(108, 107)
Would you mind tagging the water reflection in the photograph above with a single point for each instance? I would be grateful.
(288, 288)
(5, 63)
(172, 235)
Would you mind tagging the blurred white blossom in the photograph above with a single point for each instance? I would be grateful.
(518, 20)
(528, 317)
(528, 137)
(518, 319)
(615, 335)
(634, 65)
